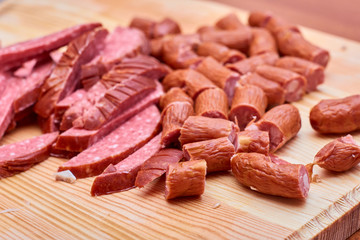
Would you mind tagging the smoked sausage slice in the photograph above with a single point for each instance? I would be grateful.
(274, 92)
(156, 166)
(258, 172)
(198, 128)
(282, 122)
(216, 152)
(185, 179)
(339, 155)
(249, 104)
(293, 83)
(212, 103)
(314, 73)
(340, 115)
(122, 176)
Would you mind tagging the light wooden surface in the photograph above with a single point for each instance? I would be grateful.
(45, 209)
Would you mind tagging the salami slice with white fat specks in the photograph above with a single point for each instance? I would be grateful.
(21, 156)
(115, 147)
(122, 176)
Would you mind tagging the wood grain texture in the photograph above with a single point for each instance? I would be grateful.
(46, 209)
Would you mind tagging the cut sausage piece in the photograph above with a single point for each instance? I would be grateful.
(293, 83)
(65, 76)
(219, 52)
(122, 176)
(212, 103)
(185, 179)
(198, 128)
(274, 92)
(230, 22)
(220, 75)
(282, 122)
(216, 152)
(119, 44)
(262, 42)
(196, 83)
(172, 121)
(249, 104)
(116, 146)
(238, 39)
(30, 88)
(77, 140)
(156, 166)
(250, 64)
(144, 24)
(340, 115)
(20, 52)
(314, 73)
(165, 27)
(258, 172)
(293, 44)
(339, 155)
(270, 22)
(174, 95)
(21, 156)
(253, 141)
(116, 100)
(174, 79)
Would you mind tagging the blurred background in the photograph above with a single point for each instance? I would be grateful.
(339, 17)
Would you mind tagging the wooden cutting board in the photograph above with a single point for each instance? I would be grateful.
(33, 205)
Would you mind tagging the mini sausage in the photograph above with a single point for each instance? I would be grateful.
(185, 179)
(174, 95)
(156, 166)
(229, 22)
(294, 84)
(340, 115)
(274, 92)
(294, 44)
(198, 128)
(339, 155)
(262, 42)
(216, 152)
(238, 39)
(145, 25)
(270, 22)
(219, 52)
(253, 141)
(250, 64)
(165, 27)
(220, 75)
(314, 73)
(195, 82)
(249, 104)
(258, 172)
(212, 103)
(282, 122)
(174, 79)
(173, 119)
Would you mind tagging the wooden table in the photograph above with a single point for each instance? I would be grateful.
(47, 209)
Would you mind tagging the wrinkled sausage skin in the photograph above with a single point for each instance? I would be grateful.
(258, 172)
(219, 52)
(282, 122)
(185, 179)
(174, 95)
(339, 155)
(212, 103)
(262, 42)
(340, 115)
(198, 128)
(249, 104)
(216, 152)
(253, 141)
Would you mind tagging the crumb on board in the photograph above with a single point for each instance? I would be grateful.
(216, 205)
(9, 210)
(316, 178)
(343, 48)
(65, 176)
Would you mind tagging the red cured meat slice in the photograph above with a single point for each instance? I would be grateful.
(156, 166)
(30, 89)
(122, 176)
(65, 76)
(67, 102)
(115, 147)
(8, 91)
(121, 43)
(26, 69)
(77, 140)
(23, 51)
(23, 155)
